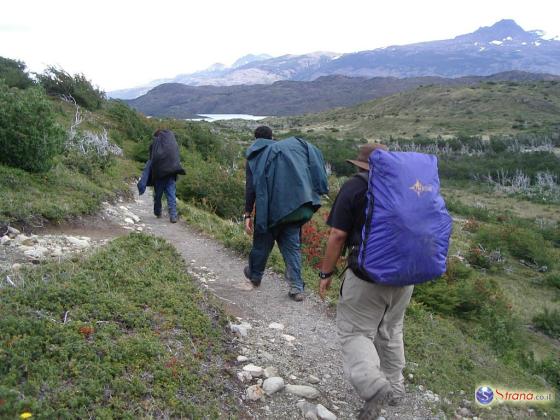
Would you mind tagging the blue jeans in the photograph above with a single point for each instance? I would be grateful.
(165, 185)
(288, 238)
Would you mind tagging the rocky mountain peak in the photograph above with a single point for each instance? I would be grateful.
(504, 30)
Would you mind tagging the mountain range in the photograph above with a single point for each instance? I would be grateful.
(502, 47)
(289, 97)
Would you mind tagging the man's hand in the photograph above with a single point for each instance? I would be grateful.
(324, 286)
(249, 226)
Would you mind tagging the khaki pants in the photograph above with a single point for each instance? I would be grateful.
(370, 327)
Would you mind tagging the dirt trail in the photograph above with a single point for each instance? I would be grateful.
(314, 351)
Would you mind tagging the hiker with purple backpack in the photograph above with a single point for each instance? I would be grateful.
(394, 224)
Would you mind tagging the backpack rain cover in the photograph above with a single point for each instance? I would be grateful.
(405, 238)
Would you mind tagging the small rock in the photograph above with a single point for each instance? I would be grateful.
(270, 372)
(259, 382)
(254, 393)
(381, 418)
(5, 239)
(382, 412)
(255, 371)
(324, 414)
(240, 329)
(16, 267)
(288, 338)
(244, 376)
(36, 253)
(266, 356)
(410, 376)
(313, 379)
(242, 359)
(128, 220)
(464, 412)
(79, 243)
(13, 232)
(273, 384)
(293, 377)
(134, 217)
(57, 252)
(303, 391)
(20, 239)
(461, 392)
(276, 326)
(420, 388)
(308, 410)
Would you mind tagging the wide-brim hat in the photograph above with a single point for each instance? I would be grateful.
(362, 161)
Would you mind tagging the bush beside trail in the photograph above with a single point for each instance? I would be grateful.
(30, 137)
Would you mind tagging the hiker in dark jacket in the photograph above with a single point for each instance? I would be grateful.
(284, 183)
(369, 315)
(165, 166)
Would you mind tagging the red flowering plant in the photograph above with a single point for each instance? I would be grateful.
(314, 239)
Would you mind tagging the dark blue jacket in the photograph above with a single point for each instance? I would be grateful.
(286, 175)
(145, 178)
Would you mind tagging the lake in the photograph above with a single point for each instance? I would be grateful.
(218, 117)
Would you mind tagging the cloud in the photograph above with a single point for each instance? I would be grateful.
(10, 27)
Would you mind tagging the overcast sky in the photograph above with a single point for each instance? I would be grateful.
(122, 43)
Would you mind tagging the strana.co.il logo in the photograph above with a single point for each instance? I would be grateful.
(484, 395)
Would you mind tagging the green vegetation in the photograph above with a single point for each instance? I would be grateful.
(60, 193)
(122, 333)
(548, 322)
(58, 82)
(487, 108)
(14, 74)
(30, 137)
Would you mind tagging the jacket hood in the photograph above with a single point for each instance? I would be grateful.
(257, 147)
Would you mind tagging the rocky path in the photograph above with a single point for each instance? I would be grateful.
(277, 337)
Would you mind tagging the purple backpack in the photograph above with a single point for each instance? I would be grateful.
(406, 234)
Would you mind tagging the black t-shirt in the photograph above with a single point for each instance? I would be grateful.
(348, 210)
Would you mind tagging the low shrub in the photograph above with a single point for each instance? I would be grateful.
(548, 322)
(30, 137)
(552, 280)
(58, 82)
(14, 74)
(212, 186)
(519, 242)
(134, 126)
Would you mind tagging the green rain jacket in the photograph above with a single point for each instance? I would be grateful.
(287, 174)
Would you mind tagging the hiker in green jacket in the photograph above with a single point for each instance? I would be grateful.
(284, 183)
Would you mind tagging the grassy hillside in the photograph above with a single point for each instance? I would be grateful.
(488, 108)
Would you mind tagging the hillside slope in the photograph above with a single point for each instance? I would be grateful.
(487, 108)
(293, 97)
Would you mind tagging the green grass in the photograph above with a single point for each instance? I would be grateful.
(140, 340)
(500, 108)
(60, 193)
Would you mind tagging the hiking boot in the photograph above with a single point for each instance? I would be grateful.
(158, 215)
(296, 295)
(396, 400)
(247, 272)
(173, 219)
(372, 407)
